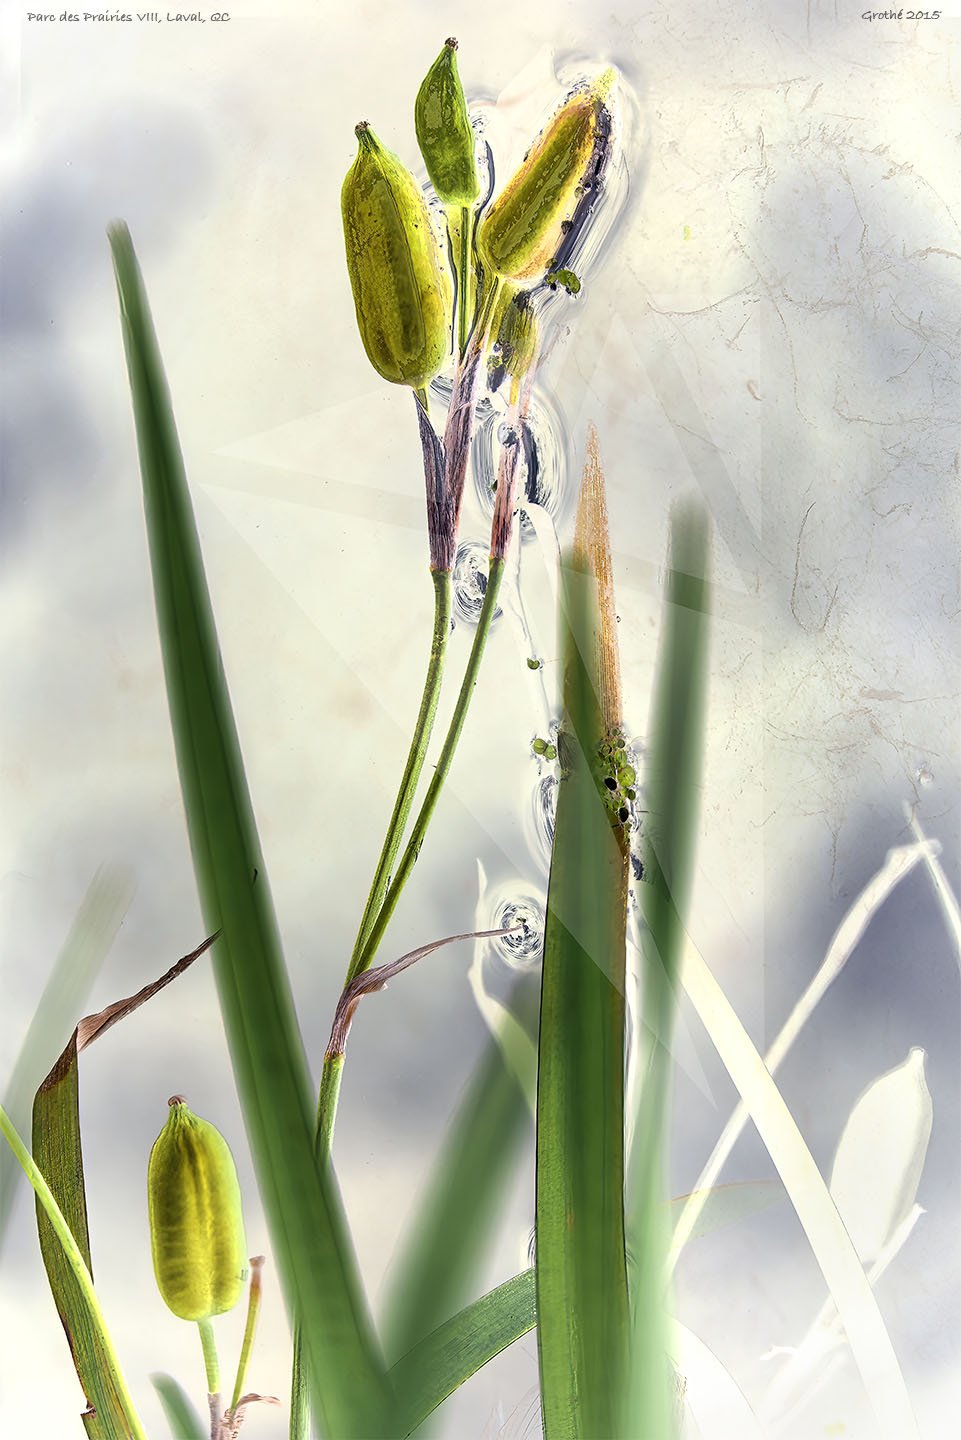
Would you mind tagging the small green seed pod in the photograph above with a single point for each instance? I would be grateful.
(515, 331)
(402, 288)
(520, 234)
(196, 1221)
(444, 131)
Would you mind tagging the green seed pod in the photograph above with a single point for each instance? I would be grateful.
(402, 288)
(196, 1220)
(521, 233)
(444, 131)
(514, 327)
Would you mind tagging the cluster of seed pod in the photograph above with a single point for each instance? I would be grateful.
(398, 270)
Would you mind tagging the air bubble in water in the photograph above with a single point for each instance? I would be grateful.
(522, 948)
(925, 776)
(469, 580)
(542, 811)
(544, 479)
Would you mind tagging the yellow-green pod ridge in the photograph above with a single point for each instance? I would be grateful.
(444, 131)
(196, 1219)
(520, 234)
(402, 288)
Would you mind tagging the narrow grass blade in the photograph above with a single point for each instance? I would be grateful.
(581, 1279)
(184, 1422)
(446, 1246)
(91, 935)
(318, 1269)
(672, 788)
(118, 1419)
(420, 740)
(439, 1259)
(430, 1372)
(456, 1350)
(832, 1246)
(58, 1152)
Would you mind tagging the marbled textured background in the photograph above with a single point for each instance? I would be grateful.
(774, 324)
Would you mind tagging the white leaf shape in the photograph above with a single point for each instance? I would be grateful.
(880, 1156)
(810, 1365)
(899, 863)
(833, 1248)
(713, 1398)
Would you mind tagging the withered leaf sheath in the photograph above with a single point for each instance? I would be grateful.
(196, 1220)
(522, 231)
(444, 131)
(402, 288)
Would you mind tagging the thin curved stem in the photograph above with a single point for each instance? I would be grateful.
(253, 1308)
(415, 762)
(78, 1265)
(212, 1367)
(386, 890)
(330, 1078)
(419, 830)
(333, 1067)
(211, 1362)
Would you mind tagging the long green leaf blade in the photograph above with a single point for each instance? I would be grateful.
(58, 1153)
(318, 1269)
(459, 1348)
(184, 1422)
(436, 1269)
(434, 1368)
(580, 1265)
(119, 1419)
(672, 790)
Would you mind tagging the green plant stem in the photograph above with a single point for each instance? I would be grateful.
(330, 1078)
(212, 1367)
(383, 896)
(444, 760)
(246, 1345)
(83, 1277)
(415, 762)
(211, 1362)
(333, 1067)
